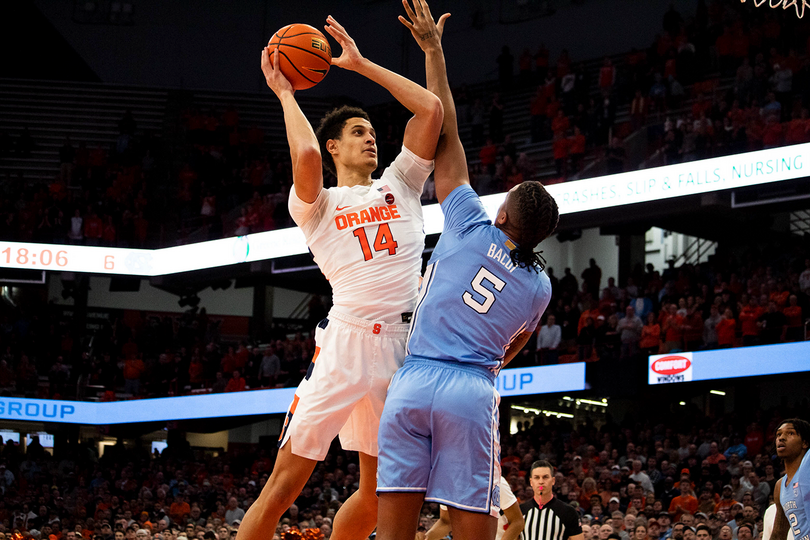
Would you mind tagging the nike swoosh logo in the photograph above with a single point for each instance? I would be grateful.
(339, 209)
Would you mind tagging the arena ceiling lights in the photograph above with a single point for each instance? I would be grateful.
(694, 178)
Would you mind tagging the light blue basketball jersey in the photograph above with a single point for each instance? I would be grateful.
(795, 499)
(474, 301)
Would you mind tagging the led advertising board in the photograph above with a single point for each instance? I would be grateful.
(729, 363)
(510, 382)
(693, 178)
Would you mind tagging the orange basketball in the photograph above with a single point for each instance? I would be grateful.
(305, 54)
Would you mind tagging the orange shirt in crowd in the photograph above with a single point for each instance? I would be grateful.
(179, 510)
(93, 227)
(781, 298)
(650, 336)
(683, 504)
(724, 505)
(488, 154)
(748, 320)
(560, 148)
(594, 313)
(133, 367)
(725, 331)
(235, 385)
(560, 123)
(577, 144)
(674, 332)
(793, 315)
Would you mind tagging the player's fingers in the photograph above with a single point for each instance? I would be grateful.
(331, 20)
(425, 9)
(407, 24)
(408, 10)
(417, 8)
(335, 34)
(275, 58)
(442, 20)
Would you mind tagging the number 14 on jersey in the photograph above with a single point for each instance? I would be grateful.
(384, 241)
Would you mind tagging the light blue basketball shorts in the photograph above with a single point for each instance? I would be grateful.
(439, 435)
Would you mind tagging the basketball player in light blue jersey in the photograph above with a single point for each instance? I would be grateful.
(482, 296)
(792, 492)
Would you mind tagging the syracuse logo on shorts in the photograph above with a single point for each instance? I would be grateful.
(670, 368)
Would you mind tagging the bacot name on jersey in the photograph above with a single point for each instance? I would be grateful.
(372, 215)
(502, 256)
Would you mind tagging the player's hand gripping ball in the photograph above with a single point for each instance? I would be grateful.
(305, 55)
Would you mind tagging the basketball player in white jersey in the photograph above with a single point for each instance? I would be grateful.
(367, 238)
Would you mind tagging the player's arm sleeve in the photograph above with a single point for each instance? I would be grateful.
(412, 170)
(307, 215)
(462, 209)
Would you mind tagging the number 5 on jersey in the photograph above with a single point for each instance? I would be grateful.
(384, 241)
(478, 286)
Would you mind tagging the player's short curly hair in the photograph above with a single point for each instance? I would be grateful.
(535, 215)
(802, 427)
(331, 127)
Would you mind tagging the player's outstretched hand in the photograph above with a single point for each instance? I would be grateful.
(425, 31)
(350, 57)
(276, 80)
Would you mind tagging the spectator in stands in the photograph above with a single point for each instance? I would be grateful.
(236, 383)
(650, 341)
(576, 145)
(76, 232)
(133, 368)
(93, 228)
(630, 327)
(561, 145)
(269, 369)
(548, 340)
(772, 324)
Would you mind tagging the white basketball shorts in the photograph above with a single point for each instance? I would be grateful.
(345, 386)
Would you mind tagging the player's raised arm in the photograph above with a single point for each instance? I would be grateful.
(422, 132)
(451, 162)
(304, 148)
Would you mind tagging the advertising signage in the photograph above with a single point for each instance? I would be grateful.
(660, 183)
(729, 363)
(510, 382)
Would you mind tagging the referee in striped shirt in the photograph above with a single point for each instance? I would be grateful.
(546, 517)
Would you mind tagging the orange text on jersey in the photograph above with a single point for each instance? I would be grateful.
(375, 213)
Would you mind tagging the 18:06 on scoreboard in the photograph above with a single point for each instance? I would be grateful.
(26, 257)
(57, 257)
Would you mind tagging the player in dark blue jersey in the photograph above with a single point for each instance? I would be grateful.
(792, 492)
(482, 296)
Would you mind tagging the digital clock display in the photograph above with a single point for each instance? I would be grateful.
(30, 257)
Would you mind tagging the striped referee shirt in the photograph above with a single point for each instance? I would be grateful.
(554, 521)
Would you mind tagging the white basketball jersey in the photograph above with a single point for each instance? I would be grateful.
(368, 240)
